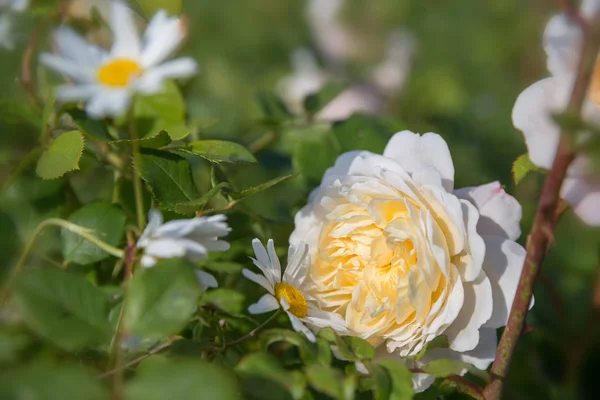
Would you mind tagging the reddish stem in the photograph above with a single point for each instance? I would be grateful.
(543, 226)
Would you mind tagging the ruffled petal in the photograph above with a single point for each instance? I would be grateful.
(416, 152)
(532, 115)
(562, 43)
(503, 265)
(583, 194)
(499, 213)
(463, 334)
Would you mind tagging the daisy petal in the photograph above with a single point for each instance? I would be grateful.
(78, 73)
(274, 261)
(76, 93)
(206, 279)
(296, 260)
(108, 103)
(126, 42)
(74, 47)
(162, 37)
(258, 279)
(299, 326)
(263, 305)
(153, 79)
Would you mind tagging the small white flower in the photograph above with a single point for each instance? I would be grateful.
(7, 10)
(107, 80)
(532, 113)
(391, 74)
(308, 78)
(191, 238)
(287, 291)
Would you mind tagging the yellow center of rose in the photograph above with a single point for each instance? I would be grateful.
(118, 72)
(380, 260)
(595, 85)
(294, 297)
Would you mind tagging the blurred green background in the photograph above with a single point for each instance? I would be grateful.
(472, 59)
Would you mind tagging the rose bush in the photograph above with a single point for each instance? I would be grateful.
(404, 258)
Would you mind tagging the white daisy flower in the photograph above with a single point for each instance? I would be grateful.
(107, 80)
(7, 10)
(287, 291)
(191, 238)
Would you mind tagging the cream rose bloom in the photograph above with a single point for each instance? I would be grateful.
(532, 113)
(404, 258)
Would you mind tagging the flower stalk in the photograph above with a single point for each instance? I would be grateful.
(79, 230)
(541, 235)
(137, 181)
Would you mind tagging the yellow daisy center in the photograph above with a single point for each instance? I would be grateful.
(294, 297)
(118, 72)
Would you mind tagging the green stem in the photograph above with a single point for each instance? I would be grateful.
(137, 181)
(78, 230)
(254, 331)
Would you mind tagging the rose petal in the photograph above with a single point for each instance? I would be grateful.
(417, 152)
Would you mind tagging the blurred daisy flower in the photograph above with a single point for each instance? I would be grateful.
(107, 80)
(287, 292)
(7, 10)
(191, 238)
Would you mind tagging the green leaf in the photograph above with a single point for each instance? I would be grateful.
(265, 378)
(11, 345)
(360, 348)
(95, 128)
(161, 111)
(361, 132)
(147, 8)
(226, 267)
(168, 175)
(381, 382)
(440, 342)
(182, 379)
(272, 106)
(326, 380)
(317, 101)
(62, 156)
(313, 154)
(335, 340)
(65, 309)
(161, 300)
(256, 189)
(444, 367)
(108, 224)
(308, 352)
(229, 300)
(401, 379)
(198, 204)
(50, 382)
(153, 142)
(523, 166)
(220, 151)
